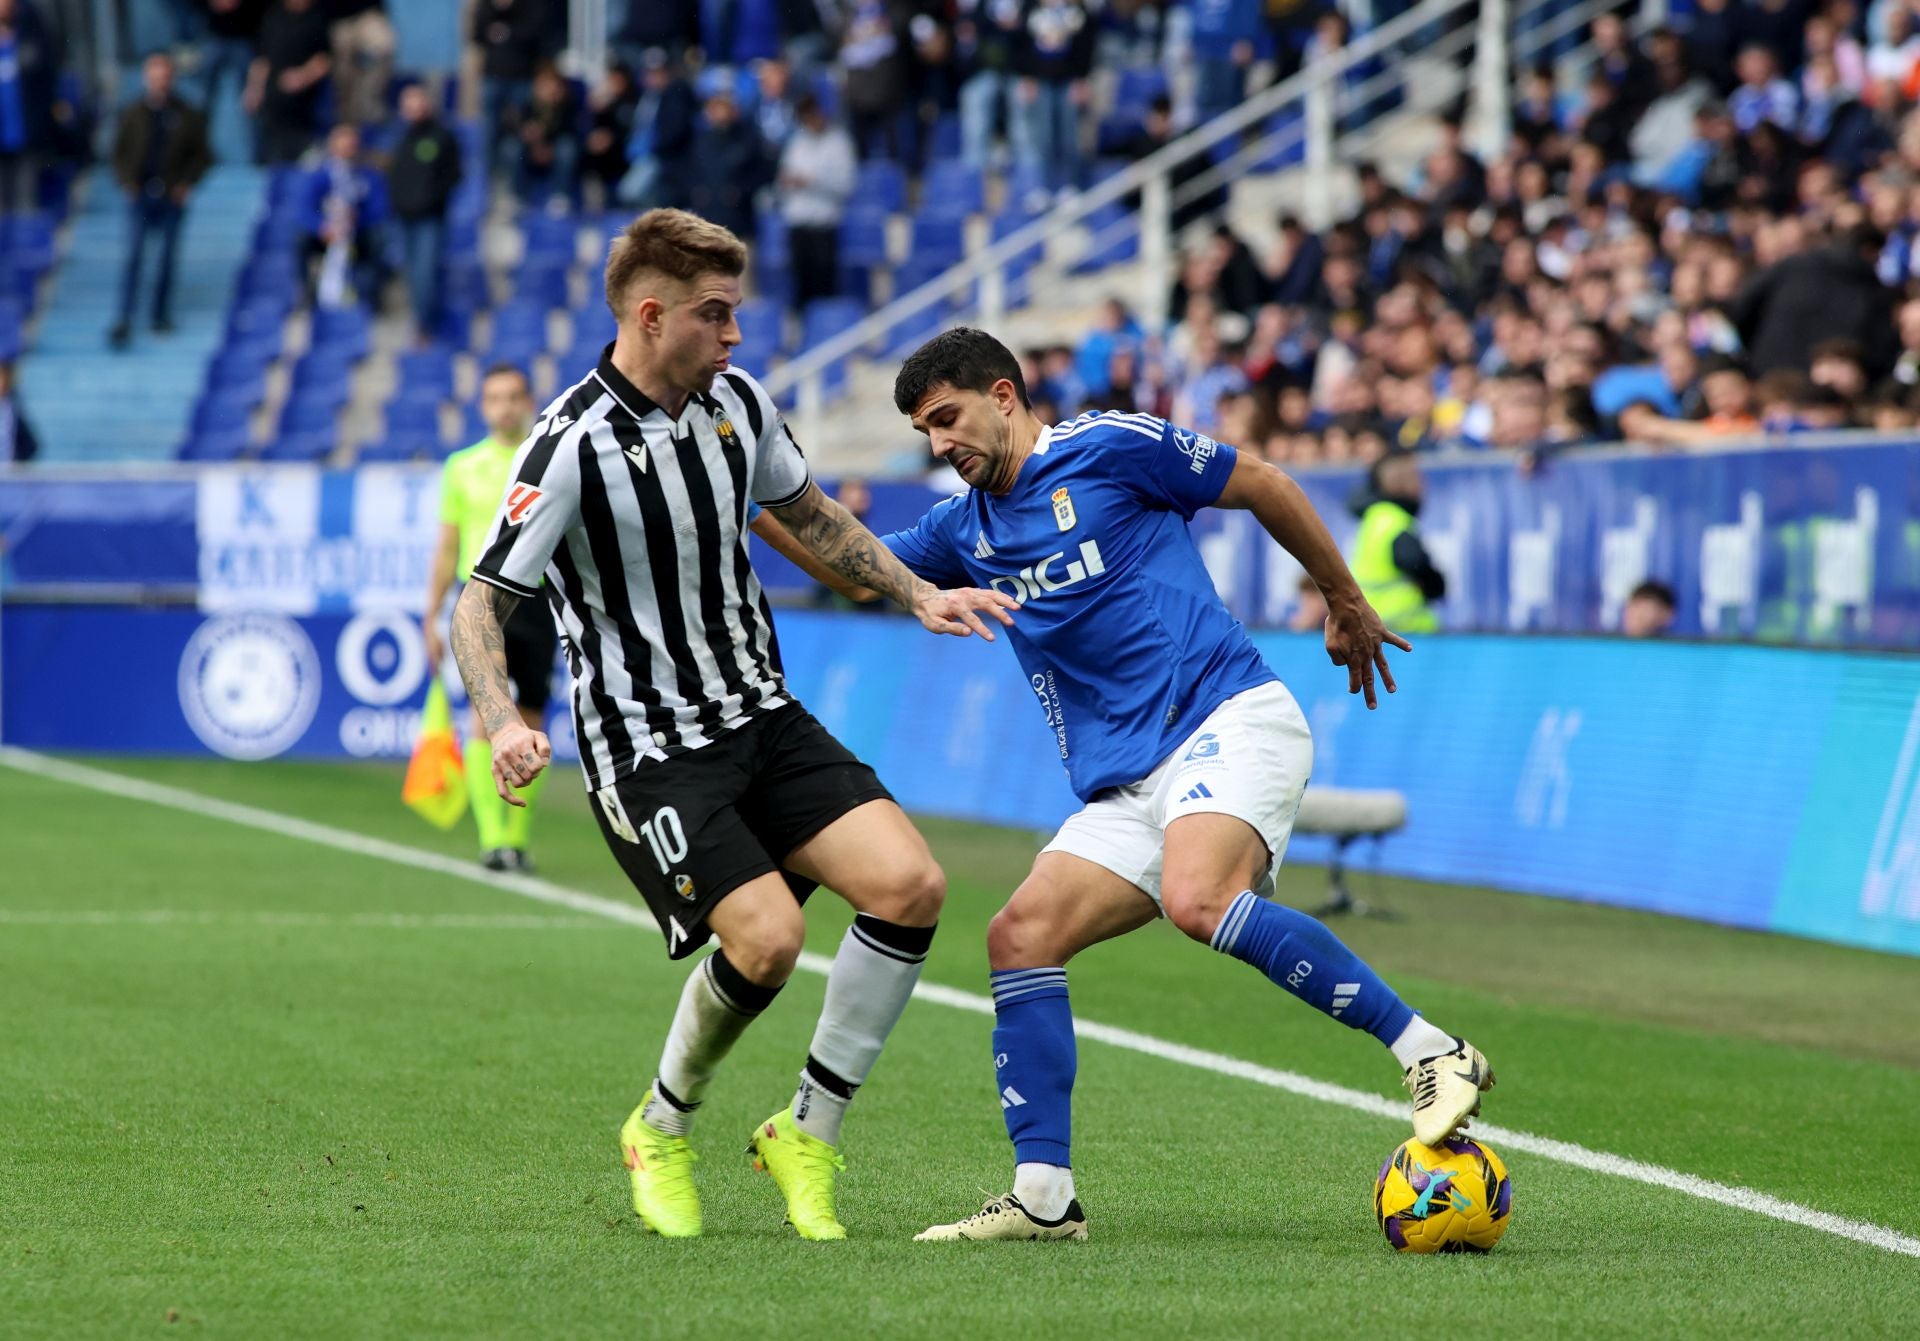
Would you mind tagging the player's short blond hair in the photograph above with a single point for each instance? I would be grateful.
(672, 244)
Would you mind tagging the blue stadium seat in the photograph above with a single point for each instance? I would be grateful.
(551, 238)
(341, 326)
(762, 325)
(408, 416)
(226, 443)
(472, 426)
(303, 446)
(425, 373)
(13, 334)
(952, 187)
(824, 319)
(542, 281)
(594, 325)
(29, 240)
(463, 284)
(944, 140)
(308, 415)
(400, 447)
(270, 276)
(1138, 86)
(881, 185)
(1101, 254)
(259, 318)
(939, 240)
(863, 237)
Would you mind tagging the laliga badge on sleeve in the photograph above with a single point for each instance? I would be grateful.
(1063, 508)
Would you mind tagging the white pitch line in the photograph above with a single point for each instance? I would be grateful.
(204, 917)
(1563, 1152)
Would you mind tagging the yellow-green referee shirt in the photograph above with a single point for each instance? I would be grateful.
(471, 485)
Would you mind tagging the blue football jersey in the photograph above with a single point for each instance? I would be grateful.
(1124, 640)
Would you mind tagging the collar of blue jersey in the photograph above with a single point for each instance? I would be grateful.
(636, 401)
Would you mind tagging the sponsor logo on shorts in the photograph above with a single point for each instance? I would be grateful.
(683, 886)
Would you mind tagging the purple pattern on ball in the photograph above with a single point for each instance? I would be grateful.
(1385, 1169)
(1395, 1234)
(1503, 1202)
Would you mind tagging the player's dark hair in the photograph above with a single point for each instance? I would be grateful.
(508, 370)
(962, 358)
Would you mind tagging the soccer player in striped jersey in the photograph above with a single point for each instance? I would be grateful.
(1190, 755)
(723, 800)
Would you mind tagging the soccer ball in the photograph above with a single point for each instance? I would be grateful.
(1453, 1198)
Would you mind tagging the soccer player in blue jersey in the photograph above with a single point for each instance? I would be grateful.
(1189, 754)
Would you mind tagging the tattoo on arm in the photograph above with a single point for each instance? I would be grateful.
(480, 650)
(836, 538)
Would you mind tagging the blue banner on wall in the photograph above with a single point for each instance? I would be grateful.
(1764, 788)
(1800, 544)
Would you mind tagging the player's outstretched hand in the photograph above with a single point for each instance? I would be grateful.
(520, 754)
(954, 611)
(1358, 640)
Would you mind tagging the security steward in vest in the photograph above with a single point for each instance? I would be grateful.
(1391, 565)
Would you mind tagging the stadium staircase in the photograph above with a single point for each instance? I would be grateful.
(91, 403)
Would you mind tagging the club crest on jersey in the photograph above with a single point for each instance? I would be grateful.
(1197, 447)
(723, 425)
(683, 886)
(1063, 508)
(520, 501)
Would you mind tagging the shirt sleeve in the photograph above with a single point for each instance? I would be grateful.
(780, 473)
(541, 504)
(924, 548)
(1182, 472)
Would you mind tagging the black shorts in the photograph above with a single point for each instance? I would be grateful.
(531, 643)
(691, 829)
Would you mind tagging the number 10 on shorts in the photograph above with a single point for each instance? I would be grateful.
(664, 832)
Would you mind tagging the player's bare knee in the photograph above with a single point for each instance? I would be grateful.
(766, 949)
(1018, 938)
(1195, 908)
(913, 897)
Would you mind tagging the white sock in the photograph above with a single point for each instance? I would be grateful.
(716, 1006)
(868, 988)
(1046, 1190)
(818, 1111)
(1419, 1041)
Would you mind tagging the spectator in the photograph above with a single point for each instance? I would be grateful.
(874, 58)
(512, 38)
(226, 50)
(547, 128)
(347, 210)
(1054, 59)
(729, 165)
(776, 111)
(610, 118)
(666, 123)
(740, 32)
(160, 152)
(1788, 308)
(1666, 127)
(1224, 36)
(17, 440)
(284, 81)
(1155, 134)
(1631, 74)
(669, 26)
(1293, 266)
(1712, 39)
(1841, 364)
(1649, 610)
(363, 50)
(817, 174)
(1762, 95)
(986, 35)
(1391, 564)
(27, 73)
(420, 181)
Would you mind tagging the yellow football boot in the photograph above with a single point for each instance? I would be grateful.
(661, 1167)
(803, 1166)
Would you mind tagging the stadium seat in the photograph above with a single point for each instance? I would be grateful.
(400, 447)
(952, 187)
(939, 240)
(1112, 241)
(228, 443)
(762, 324)
(302, 415)
(594, 325)
(342, 328)
(824, 319)
(223, 409)
(304, 446)
(425, 373)
(1137, 86)
(260, 317)
(29, 240)
(541, 281)
(863, 237)
(943, 141)
(881, 185)
(549, 238)
(409, 416)
(269, 276)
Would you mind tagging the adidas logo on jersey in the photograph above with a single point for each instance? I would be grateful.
(983, 550)
(1199, 793)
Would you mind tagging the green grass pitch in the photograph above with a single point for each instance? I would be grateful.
(274, 1089)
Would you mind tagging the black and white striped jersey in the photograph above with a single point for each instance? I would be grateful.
(638, 523)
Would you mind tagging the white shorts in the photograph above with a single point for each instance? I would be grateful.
(1250, 759)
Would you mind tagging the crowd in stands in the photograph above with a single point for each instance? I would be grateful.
(1713, 237)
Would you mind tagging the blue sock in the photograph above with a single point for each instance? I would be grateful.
(1034, 1057)
(1301, 955)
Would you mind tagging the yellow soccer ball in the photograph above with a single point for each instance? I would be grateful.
(1453, 1198)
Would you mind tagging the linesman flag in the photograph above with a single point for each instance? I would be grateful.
(436, 784)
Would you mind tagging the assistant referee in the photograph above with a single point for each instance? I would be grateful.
(470, 492)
